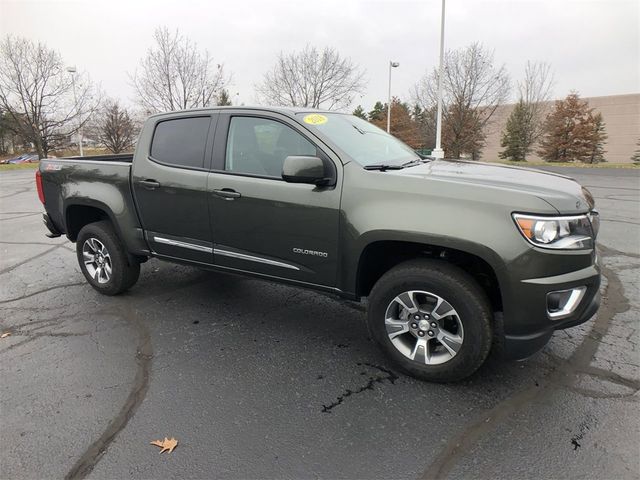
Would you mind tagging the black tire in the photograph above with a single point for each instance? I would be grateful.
(124, 272)
(460, 291)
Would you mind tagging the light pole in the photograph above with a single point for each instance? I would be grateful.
(391, 65)
(438, 152)
(72, 71)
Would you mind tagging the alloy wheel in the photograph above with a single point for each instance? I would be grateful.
(424, 327)
(97, 260)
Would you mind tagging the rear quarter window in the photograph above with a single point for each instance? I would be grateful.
(181, 141)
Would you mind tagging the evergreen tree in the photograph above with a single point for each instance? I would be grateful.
(636, 155)
(378, 112)
(598, 139)
(514, 137)
(223, 98)
(360, 113)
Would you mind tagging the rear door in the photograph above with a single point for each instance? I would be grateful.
(261, 223)
(170, 186)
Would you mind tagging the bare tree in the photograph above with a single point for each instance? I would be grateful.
(175, 75)
(115, 127)
(38, 94)
(312, 78)
(473, 89)
(535, 91)
(525, 124)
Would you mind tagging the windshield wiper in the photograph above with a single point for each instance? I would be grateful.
(382, 167)
(413, 163)
(359, 131)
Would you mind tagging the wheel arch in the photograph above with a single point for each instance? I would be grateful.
(378, 256)
(78, 213)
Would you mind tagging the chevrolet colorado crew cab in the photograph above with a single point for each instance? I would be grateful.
(454, 256)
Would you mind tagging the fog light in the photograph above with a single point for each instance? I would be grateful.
(562, 303)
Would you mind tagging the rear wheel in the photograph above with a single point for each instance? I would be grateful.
(432, 319)
(103, 259)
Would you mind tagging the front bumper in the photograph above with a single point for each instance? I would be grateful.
(527, 326)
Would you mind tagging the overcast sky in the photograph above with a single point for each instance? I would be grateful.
(593, 46)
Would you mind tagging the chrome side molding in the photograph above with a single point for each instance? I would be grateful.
(177, 243)
(251, 258)
(224, 253)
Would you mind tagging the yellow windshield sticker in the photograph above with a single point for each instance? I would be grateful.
(315, 119)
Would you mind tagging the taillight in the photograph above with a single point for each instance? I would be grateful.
(39, 186)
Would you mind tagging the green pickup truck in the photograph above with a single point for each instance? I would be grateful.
(455, 257)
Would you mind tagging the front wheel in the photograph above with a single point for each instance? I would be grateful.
(432, 319)
(103, 259)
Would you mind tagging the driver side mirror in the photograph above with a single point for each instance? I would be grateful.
(300, 169)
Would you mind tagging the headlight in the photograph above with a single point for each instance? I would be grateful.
(573, 232)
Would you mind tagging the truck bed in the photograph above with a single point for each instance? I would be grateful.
(100, 182)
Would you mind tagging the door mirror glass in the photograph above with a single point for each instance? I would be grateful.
(302, 169)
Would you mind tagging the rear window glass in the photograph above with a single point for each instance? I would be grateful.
(181, 141)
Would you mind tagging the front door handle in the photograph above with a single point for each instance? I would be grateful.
(149, 184)
(227, 194)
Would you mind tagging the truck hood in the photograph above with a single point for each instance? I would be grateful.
(561, 192)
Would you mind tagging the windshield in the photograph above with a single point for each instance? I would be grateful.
(361, 140)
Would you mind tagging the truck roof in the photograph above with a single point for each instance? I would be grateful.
(284, 110)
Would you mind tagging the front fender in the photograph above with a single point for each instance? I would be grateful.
(357, 249)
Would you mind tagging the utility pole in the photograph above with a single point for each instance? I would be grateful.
(391, 65)
(438, 152)
(72, 71)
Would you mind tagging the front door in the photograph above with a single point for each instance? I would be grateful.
(261, 223)
(170, 185)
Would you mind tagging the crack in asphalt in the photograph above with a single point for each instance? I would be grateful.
(144, 355)
(583, 429)
(565, 375)
(389, 376)
(44, 290)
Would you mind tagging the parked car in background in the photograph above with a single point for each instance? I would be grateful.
(25, 158)
(12, 160)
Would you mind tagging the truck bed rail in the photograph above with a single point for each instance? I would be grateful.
(120, 157)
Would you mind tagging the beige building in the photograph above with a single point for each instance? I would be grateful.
(621, 115)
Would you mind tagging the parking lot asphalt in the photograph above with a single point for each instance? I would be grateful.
(258, 380)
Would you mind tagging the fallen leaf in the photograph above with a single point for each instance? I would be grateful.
(5, 335)
(168, 444)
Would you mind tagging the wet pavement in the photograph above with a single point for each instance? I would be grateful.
(258, 380)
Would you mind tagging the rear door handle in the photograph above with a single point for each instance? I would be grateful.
(227, 194)
(149, 184)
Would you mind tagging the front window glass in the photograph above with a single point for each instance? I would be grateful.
(361, 140)
(258, 146)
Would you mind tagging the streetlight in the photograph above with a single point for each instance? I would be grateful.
(391, 65)
(72, 71)
(438, 152)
